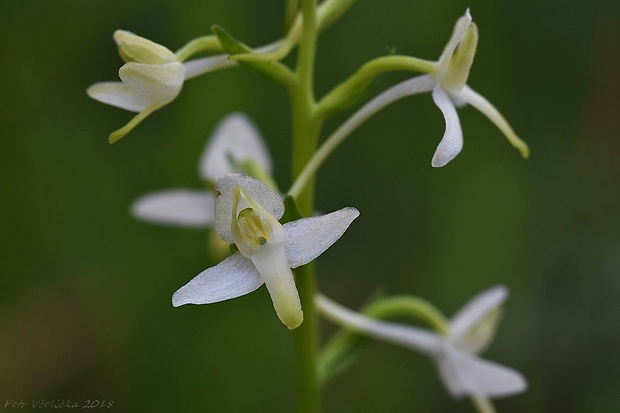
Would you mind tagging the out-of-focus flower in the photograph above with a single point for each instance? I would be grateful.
(235, 146)
(456, 353)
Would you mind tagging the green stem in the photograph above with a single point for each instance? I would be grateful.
(309, 389)
(306, 127)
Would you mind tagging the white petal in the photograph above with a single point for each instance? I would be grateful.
(274, 269)
(452, 141)
(160, 84)
(458, 33)
(466, 374)
(231, 278)
(182, 207)
(411, 337)
(257, 190)
(204, 65)
(307, 238)
(464, 326)
(118, 94)
(479, 102)
(235, 138)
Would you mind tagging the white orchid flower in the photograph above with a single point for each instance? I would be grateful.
(456, 353)
(235, 142)
(450, 90)
(246, 214)
(151, 77)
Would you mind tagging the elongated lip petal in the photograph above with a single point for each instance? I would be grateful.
(235, 137)
(465, 374)
(307, 238)
(159, 84)
(118, 94)
(476, 309)
(231, 278)
(452, 141)
(258, 191)
(483, 105)
(176, 207)
(271, 262)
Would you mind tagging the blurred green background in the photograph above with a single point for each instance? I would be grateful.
(85, 290)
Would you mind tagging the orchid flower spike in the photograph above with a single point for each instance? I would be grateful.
(450, 90)
(456, 353)
(246, 214)
(151, 77)
(235, 146)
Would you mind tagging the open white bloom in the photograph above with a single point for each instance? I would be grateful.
(450, 90)
(151, 77)
(235, 142)
(246, 214)
(456, 353)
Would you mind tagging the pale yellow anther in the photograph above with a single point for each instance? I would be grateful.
(254, 226)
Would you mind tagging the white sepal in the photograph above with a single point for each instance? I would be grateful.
(474, 325)
(307, 238)
(231, 278)
(118, 94)
(179, 207)
(235, 139)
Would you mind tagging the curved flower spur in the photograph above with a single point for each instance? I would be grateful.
(246, 214)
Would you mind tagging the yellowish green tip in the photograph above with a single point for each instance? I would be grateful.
(120, 133)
